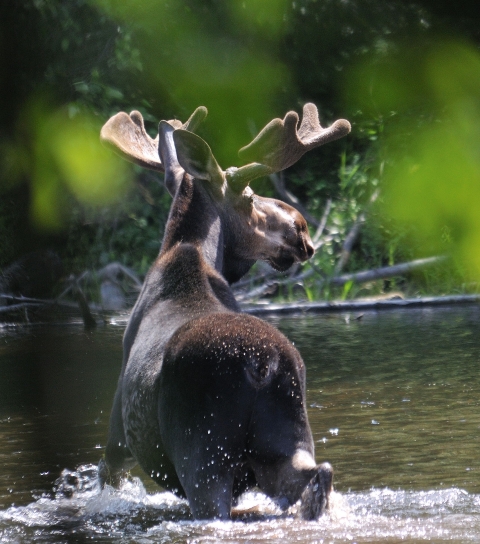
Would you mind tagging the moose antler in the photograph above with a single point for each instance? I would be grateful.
(281, 143)
(127, 136)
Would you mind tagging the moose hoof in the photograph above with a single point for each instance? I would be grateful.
(108, 477)
(314, 500)
(103, 473)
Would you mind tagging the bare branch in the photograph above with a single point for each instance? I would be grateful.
(20, 306)
(386, 271)
(88, 320)
(278, 181)
(322, 224)
(358, 277)
(266, 286)
(112, 270)
(352, 236)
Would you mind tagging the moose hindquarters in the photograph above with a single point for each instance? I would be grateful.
(205, 400)
(232, 395)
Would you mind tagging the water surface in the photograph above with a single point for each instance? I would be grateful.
(393, 403)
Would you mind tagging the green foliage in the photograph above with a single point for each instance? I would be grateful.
(414, 110)
(129, 232)
(432, 172)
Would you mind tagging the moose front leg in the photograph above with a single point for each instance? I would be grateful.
(118, 459)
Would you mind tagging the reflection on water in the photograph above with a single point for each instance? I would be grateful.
(393, 403)
(395, 397)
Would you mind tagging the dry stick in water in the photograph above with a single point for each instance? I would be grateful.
(88, 320)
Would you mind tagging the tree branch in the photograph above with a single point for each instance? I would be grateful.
(385, 271)
(278, 181)
(352, 236)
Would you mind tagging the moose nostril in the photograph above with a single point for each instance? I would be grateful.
(310, 250)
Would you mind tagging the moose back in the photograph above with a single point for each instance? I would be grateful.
(210, 401)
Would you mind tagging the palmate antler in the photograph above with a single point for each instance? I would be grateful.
(282, 142)
(127, 136)
(279, 145)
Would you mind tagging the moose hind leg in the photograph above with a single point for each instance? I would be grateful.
(210, 495)
(284, 479)
(314, 500)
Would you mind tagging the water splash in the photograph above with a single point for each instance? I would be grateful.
(78, 507)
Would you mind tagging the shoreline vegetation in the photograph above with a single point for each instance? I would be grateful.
(392, 208)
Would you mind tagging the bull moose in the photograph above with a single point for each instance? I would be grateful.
(211, 401)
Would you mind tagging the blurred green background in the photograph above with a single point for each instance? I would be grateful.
(406, 74)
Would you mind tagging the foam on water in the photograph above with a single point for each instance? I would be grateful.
(79, 508)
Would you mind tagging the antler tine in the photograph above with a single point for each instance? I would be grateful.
(127, 136)
(195, 119)
(280, 144)
(311, 133)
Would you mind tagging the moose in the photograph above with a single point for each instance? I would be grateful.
(211, 401)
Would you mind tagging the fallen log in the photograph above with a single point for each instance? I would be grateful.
(358, 305)
(385, 271)
(356, 277)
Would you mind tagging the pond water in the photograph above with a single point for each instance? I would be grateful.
(394, 405)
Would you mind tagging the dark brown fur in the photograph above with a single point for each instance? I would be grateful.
(210, 401)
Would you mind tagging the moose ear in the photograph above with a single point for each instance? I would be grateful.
(166, 150)
(196, 157)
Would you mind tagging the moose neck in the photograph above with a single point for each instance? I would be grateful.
(198, 218)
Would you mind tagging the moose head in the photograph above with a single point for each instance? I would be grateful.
(211, 401)
(258, 227)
